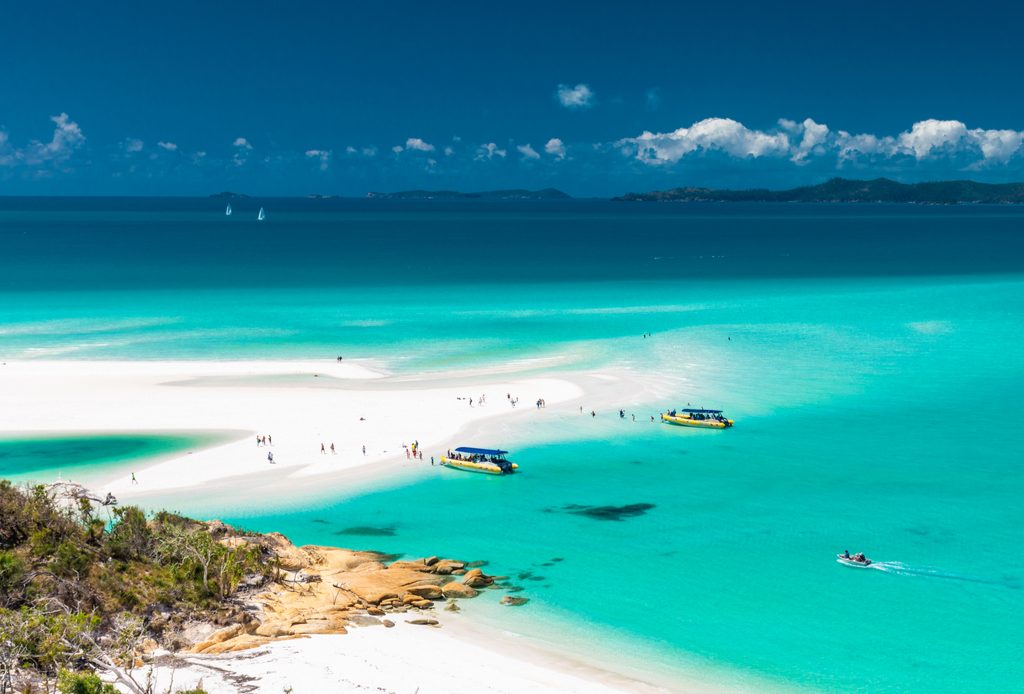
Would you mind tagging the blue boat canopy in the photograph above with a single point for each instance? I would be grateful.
(480, 451)
(702, 411)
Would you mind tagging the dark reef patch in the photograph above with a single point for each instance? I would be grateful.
(605, 513)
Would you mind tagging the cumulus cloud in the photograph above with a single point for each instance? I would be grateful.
(931, 134)
(449, 151)
(169, 146)
(578, 97)
(556, 148)
(324, 156)
(813, 138)
(489, 151)
(133, 145)
(528, 152)
(725, 134)
(397, 149)
(66, 139)
(806, 141)
(419, 145)
(242, 148)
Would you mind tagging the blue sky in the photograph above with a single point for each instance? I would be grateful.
(594, 98)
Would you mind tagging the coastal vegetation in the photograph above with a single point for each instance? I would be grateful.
(847, 190)
(89, 588)
(86, 586)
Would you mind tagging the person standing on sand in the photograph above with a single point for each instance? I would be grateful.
(270, 457)
(323, 451)
(134, 481)
(364, 450)
(258, 442)
(431, 461)
(332, 448)
(270, 440)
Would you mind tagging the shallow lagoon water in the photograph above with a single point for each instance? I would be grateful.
(876, 397)
(87, 458)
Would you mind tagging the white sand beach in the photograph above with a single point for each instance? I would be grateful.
(300, 405)
(455, 658)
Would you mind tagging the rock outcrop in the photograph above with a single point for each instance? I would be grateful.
(321, 590)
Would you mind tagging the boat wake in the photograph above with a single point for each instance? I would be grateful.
(901, 569)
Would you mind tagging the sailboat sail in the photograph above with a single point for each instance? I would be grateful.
(262, 215)
(228, 210)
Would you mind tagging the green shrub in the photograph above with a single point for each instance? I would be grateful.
(70, 560)
(131, 537)
(12, 571)
(82, 683)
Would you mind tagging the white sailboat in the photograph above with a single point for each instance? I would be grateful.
(228, 210)
(262, 215)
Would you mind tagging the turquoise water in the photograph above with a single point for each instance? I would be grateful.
(870, 356)
(87, 458)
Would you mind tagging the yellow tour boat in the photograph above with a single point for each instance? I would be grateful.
(489, 461)
(704, 419)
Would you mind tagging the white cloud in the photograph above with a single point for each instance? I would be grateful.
(556, 148)
(133, 144)
(448, 151)
(67, 138)
(806, 141)
(242, 148)
(489, 151)
(852, 146)
(362, 151)
(813, 137)
(725, 134)
(419, 145)
(997, 145)
(323, 155)
(528, 152)
(928, 135)
(169, 146)
(397, 149)
(580, 96)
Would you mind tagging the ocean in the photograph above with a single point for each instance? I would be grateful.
(870, 355)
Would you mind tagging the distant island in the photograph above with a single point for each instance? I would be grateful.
(847, 190)
(513, 194)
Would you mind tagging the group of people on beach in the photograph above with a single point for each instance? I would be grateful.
(412, 451)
